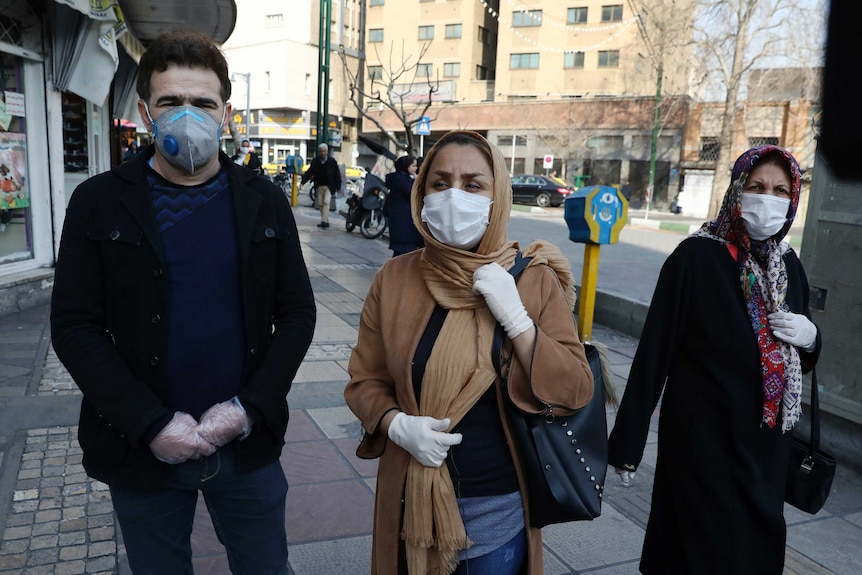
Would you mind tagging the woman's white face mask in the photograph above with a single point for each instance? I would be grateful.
(764, 215)
(457, 218)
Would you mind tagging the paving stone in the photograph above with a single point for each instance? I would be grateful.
(13, 561)
(73, 512)
(25, 494)
(100, 520)
(43, 556)
(69, 567)
(73, 538)
(101, 533)
(39, 570)
(24, 506)
(22, 532)
(101, 548)
(106, 563)
(43, 542)
(46, 528)
(76, 524)
(17, 519)
(14, 546)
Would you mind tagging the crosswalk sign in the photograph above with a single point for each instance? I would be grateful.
(423, 128)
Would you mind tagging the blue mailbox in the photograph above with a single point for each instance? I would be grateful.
(294, 164)
(596, 214)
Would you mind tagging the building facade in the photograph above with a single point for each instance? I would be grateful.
(274, 55)
(574, 80)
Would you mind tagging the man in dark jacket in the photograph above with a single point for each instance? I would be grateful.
(327, 180)
(182, 308)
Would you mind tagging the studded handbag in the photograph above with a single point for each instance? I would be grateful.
(564, 457)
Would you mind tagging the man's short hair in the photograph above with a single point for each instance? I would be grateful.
(322, 146)
(185, 48)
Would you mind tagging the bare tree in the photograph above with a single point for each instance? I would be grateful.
(394, 88)
(733, 37)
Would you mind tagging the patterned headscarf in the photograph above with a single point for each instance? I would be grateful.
(763, 276)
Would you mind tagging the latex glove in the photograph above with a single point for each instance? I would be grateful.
(425, 438)
(497, 286)
(179, 441)
(224, 422)
(626, 477)
(794, 328)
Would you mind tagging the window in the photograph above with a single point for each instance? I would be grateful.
(609, 58)
(426, 32)
(274, 20)
(484, 36)
(375, 72)
(375, 35)
(756, 141)
(574, 60)
(424, 70)
(709, 148)
(526, 18)
(612, 13)
(482, 73)
(451, 70)
(519, 61)
(576, 15)
(507, 140)
(453, 30)
(378, 2)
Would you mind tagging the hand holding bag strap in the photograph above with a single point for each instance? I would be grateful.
(497, 344)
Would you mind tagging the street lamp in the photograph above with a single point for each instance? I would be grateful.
(247, 77)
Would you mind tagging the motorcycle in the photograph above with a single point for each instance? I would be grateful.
(365, 208)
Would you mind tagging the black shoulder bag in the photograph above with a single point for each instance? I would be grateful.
(564, 458)
(810, 471)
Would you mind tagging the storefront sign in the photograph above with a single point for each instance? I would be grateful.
(14, 103)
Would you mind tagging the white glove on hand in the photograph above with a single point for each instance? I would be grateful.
(425, 438)
(794, 328)
(625, 476)
(497, 286)
(179, 441)
(223, 422)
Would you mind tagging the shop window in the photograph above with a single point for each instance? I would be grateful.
(15, 222)
(74, 133)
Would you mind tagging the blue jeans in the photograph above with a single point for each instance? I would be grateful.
(247, 511)
(505, 560)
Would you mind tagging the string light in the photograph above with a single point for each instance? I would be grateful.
(622, 25)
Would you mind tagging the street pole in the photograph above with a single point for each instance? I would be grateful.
(248, 105)
(654, 140)
(323, 72)
(512, 167)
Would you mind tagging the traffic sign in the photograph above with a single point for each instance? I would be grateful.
(549, 162)
(423, 128)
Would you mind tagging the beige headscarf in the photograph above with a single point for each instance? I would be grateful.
(459, 369)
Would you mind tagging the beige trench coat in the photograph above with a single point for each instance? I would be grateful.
(396, 311)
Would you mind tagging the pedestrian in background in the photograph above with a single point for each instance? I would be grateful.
(182, 308)
(327, 180)
(403, 235)
(247, 157)
(131, 151)
(728, 336)
(423, 384)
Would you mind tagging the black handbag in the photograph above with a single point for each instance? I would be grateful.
(564, 457)
(810, 471)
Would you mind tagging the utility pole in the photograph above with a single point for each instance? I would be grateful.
(324, 38)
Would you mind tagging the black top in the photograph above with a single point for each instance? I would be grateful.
(481, 465)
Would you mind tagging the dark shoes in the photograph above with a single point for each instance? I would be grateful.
(323, 225)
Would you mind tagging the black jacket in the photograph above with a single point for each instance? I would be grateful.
(324, 173)
(403, 235)
(107, 329)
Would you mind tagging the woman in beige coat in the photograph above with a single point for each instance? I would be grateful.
(423, 384)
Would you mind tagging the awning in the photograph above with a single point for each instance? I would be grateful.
(149, 18)
(87, 31)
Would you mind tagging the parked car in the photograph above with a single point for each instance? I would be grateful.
(540, 190)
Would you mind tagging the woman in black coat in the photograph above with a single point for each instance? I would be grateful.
(728, 337)
(403, 235)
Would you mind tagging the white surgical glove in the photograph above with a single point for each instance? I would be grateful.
(625, 476)
(498, 288)
(223, 422)
(425, 438)
(794, 328)
(179, 441)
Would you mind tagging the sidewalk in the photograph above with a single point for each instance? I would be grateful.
(54, 520)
